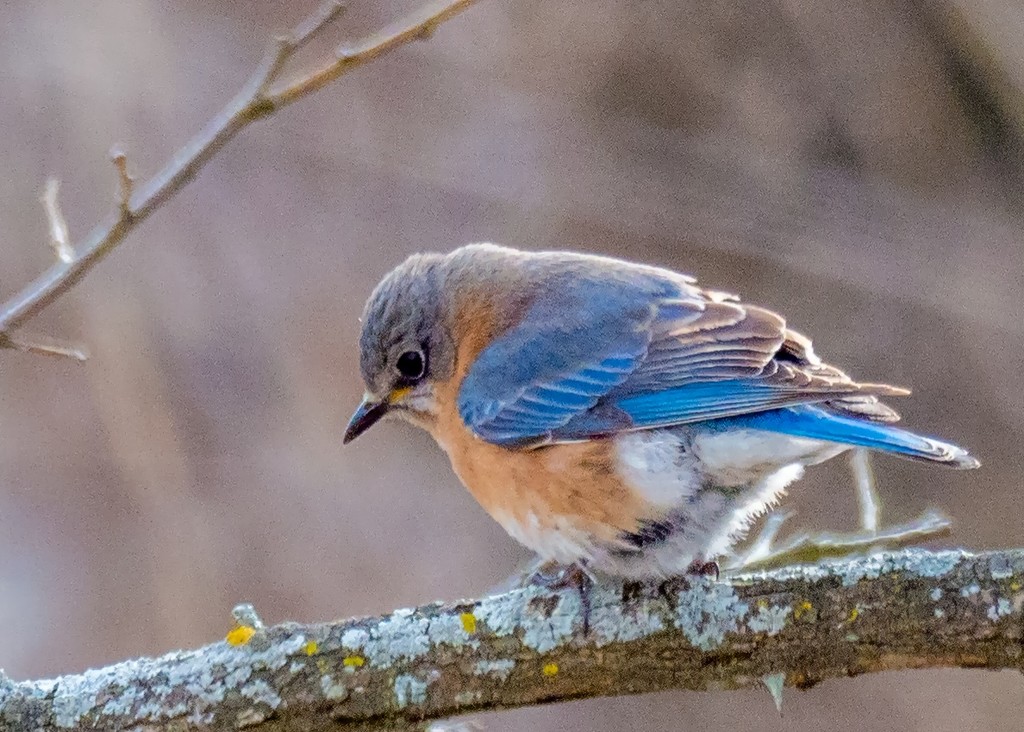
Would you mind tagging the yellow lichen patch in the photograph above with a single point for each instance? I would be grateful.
(854, 614)
(311, 648)
(240, 635)
(802, 608)
(468, 622)
(354, 661)
(1015, 585)
(550, 669)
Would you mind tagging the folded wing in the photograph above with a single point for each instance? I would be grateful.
(654, 351)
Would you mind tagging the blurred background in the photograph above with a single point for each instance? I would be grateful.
(856, 166)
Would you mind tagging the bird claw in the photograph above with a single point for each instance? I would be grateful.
(633, 590)
(701, 568)
(553, 576)
(698, 568)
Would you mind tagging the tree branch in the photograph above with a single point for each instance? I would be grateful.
(262, 96)
(794, 626)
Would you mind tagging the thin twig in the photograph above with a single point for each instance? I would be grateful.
(43, 345)
(59, 238)
(418, 26)
(258, 99)
(827, 545)
(868, 500)
(307, 30)
(125, 182)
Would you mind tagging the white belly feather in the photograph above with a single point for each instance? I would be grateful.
(711, 484)
(706, 486)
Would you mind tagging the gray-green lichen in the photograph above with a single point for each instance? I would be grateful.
(545, 619)
(355, 639)
(333, 690)
(970, 590)
(502, 613)
(1000, 609)
(774, 683)
(401, 637)
(7, 688)
(260, 692)
(499, 668)
(465, 698)
(450, 630)
(152, 688)
(706, 612)
(1000, 567)
(410, 689)
(612, 621)
(912, 561)
(245, 615)
(192, 686)
(544, 631)
(915, 562)
(770, 619)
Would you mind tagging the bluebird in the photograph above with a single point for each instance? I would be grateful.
(612, 417)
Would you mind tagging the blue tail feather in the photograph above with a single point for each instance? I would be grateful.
(818, 423)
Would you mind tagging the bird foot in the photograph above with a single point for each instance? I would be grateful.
(634, 590)
(702, 568)
(553, 576)
(698, 568)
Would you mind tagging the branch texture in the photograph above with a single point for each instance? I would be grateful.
(262, 96)
(794, 626)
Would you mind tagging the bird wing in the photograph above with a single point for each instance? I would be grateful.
(616, 355)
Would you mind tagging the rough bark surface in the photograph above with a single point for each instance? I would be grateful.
(797, 626)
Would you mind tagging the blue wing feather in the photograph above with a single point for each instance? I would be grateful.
(683, 405)
(539, 409)
(602, 350)
(818, 423)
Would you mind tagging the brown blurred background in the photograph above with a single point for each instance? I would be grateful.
(855, 165)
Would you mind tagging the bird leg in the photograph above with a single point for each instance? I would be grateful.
(554, 576)
(698, 568)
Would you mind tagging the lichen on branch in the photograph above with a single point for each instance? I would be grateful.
(796, 625)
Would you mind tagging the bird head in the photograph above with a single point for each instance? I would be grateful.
(405, 346)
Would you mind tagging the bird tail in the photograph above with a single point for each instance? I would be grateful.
(818, 423)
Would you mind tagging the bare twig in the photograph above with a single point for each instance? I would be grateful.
(125, 182)
(59, 237)
(258, 99)
(43, 345)
(830, 545)
(794, 627)
(418, 26)
(867, 495)
(307, 30)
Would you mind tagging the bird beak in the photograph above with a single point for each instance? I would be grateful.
(366, 415)
(371, 410)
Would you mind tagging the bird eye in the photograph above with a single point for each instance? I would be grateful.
(411, 364)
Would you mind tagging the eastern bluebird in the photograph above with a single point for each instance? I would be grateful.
(611, 415)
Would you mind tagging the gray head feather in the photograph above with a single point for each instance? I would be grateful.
(406, 313)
